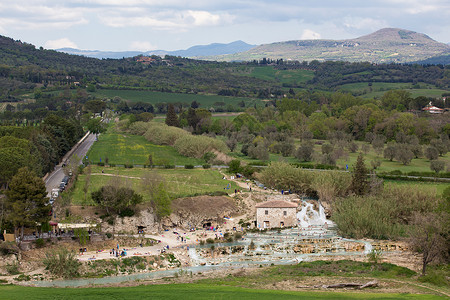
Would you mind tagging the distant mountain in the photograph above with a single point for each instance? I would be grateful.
(192, 52)
(383, 46)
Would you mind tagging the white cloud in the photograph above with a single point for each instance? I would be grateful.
(141, 46)
(164, 20)
(308, 34)
(60, 43)
(364, 23)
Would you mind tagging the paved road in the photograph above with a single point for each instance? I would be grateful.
(54, 179)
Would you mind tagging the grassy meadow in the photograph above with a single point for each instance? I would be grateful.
(133, 149)
(152, 97)
(179, 182)
(187, 291)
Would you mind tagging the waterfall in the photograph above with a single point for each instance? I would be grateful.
(308, 216)
(195, 259)
(367, 247)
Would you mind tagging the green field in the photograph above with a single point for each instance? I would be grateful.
(292, 77)
(378, 89)
(133, 149)
(431, 187)
(186, 291)
(179, 182)
(417, 165)
(206, 101)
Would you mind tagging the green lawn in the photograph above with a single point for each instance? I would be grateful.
(179, 182)
(185, 291)
(205, 101)
(133, 149)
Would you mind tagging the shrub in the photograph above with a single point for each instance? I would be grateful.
(161, 134)
(101, 164)
(169, 166)
(198, 146)
(206, 166)
(127, 212)
(189, 166)
(62, 263)
(39, 243)
(12, 269)
(8, 248)
(210, 241)
(108, 235)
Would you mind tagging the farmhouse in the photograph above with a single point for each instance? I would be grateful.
(277, 213)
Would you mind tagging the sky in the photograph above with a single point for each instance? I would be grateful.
(142, 25)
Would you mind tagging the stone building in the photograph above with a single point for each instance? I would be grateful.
(276, 213)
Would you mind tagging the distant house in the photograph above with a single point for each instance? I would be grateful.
(433, 109)
(277, 213)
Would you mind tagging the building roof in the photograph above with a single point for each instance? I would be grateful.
(432, 108)
(277, 204)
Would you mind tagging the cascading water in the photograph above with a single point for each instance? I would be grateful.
(314, 236)
(308, 216)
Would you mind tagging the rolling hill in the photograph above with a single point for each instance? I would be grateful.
(383, 46)
(192, 52)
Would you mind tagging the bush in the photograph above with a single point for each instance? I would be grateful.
(197, 146)
(62, 263)
(189, 166)
(206, 166)
(8, 248)
(210, 241)
(39, 243)
(384, 216)
(169, 166)
(108, 235)
(101, 164)
(12, 269)
(127, 212)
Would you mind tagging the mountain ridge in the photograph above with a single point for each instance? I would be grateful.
(192, 52)
(387, 45)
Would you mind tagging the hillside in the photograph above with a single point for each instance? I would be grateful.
(383, 46)
(194, 51)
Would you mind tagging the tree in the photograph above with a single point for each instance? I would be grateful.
(194, 104)
(389, 151)
(437, 165)
(360, 184)
(431, 153)
(171, 116)
(429, 236)
(403, 153)
(96, 125)
(26, 202)
(234, 166)
(231, 143)
(150, 160)
(115, 199)
(304, 152)
(161, 201)
(375, 163)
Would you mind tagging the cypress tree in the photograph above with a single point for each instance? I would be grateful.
(171, 116)
(360, 184)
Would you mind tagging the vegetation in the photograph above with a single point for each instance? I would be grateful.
(62, 263)
(26, 202)
(180, 182)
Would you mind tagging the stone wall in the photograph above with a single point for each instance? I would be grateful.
(275, 217)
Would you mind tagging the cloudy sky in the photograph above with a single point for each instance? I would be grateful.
(120, 25)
